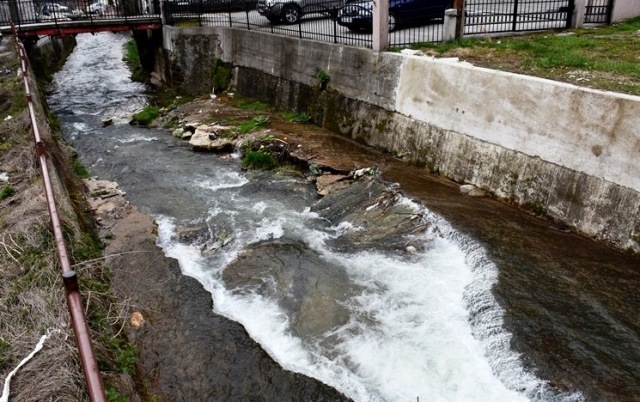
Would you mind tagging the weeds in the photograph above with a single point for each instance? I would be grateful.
(323, 79)
(5, 145)
(221, 74)
(251, 105)
(301, 117)
(253, 124)
(6, 191)
(259, 160)
(79, 169)
(132, 58)
(146, 115)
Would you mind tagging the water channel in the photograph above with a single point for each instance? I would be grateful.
(497, 305)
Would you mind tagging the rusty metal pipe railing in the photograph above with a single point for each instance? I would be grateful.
(95, 387)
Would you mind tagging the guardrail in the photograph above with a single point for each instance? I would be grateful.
(38, 11)
(95, 387)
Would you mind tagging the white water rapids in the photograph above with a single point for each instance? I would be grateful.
(425, 327)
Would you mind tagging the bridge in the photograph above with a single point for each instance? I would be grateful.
(34, 18)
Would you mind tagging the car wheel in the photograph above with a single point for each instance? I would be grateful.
(392, 22)
(291, 14)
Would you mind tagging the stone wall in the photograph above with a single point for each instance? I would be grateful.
(557, 149)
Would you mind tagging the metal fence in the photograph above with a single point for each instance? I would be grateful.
(328, 21)
(490, 16)
(42, 11)
(598, 11)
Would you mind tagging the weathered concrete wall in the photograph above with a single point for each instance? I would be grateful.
(623, 9)
(554, 148)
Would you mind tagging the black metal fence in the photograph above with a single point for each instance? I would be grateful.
(317, 22)
(490, 16)
(599, 11)
(329, 21)
(42, 11)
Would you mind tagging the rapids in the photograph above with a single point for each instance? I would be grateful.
(470, 316)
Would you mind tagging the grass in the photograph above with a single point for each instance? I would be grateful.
(79, 169)
(4, 145)
(132, 58)
(246, 104)
(253, 124)
(604, 57)
(146, 115)
(6, 191)
(259, 160)
(292, 117)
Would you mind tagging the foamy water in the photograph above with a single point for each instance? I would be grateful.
(410, 335)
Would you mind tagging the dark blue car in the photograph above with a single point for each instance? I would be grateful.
(358, 16)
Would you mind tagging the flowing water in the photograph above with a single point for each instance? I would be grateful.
(450, 323)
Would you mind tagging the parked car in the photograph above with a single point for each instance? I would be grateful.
(97, 9)
(358, 16)
(290, 11)
(55, 10)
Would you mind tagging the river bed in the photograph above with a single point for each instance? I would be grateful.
(496, 304)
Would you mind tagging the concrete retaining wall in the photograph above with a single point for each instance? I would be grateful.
(623, 9)
(555, 148)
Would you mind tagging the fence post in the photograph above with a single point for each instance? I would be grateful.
(380, 36)
(459, 29)
(610, 5)
(578, 13)
(163, 15)
(449, 29)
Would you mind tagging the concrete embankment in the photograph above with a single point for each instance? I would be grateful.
(558, 150)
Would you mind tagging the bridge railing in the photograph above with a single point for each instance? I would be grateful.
(23, 12)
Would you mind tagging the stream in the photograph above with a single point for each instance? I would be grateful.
(494, 304)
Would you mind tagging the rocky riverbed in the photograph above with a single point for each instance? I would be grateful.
(187, 352)
(364, 187)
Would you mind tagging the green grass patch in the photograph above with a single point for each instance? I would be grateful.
(245, 104)
(114, 396)
(132, 58)
(79, 169)
(146, 115)
(603, 57)
(221, 74)
(259, 160)
(256, 123)
(4, 145)
(323, 78)
(292, 117)
(6, 191)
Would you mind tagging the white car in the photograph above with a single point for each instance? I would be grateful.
(97, 8)
(55, 10)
